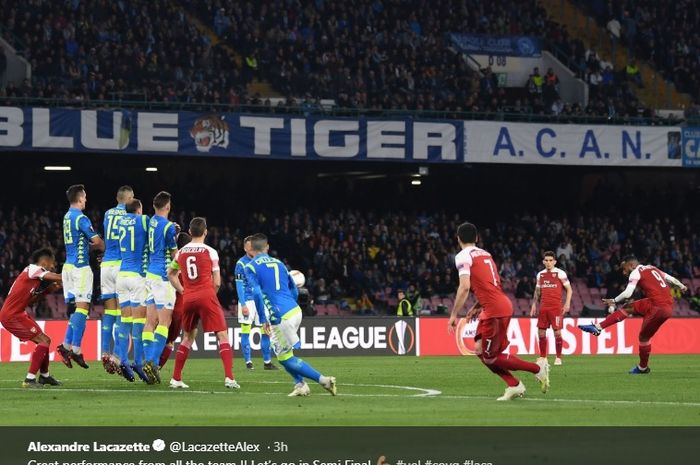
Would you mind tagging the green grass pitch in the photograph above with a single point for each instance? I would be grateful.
(397, 391)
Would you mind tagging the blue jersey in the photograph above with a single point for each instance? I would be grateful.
(245, 292)
(77, 233)
(111, 234)
(161, 242)
(133, 243)
(274, 290)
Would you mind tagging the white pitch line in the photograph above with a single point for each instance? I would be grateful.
(583, 401)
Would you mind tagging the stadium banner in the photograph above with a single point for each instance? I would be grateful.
(319, 337)
(571, 144)
(676, 336)
(690, 142)
(231, 135)
(516, 46)
(14, 350)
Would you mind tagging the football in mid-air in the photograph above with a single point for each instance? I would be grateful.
(298, 277)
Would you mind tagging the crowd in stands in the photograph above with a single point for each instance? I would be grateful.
(363, 257)
(663, 32)
(365, 54)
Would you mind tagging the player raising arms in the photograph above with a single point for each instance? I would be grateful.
(276, 301)
(33, 281)
(201, 279)
(247, 313)
(161, 294)
(78, 236)
(131, 287)
(656, 308)
(478, 270)
(550, 282)
(109, 269)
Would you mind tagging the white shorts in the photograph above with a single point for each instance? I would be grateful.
(131, 291)
(253, 318)
(160, 293)
(77, 283)
(108, 281)
(285, 336)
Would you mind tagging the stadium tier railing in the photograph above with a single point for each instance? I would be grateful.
(312, 109)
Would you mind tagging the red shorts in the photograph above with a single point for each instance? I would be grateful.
(654, 317)
(205, 307)
(493, 334)
(21, 325)
(553, 318)
(176, 322)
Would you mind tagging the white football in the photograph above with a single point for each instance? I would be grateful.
(298, 277)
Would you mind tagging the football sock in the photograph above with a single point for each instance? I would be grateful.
(122, 346)
(180, 358)
(245, 342)
(161, 338)
(226, 355)
(543, 346)
(292, 372)
(302, 368)
(44, 369)
(108, 320)
(614, 318)
(558, 344)
(78, 319)
(167, 350)
(136, 334)
(505, 375)
(149, 340)
(644, 352)
(265, 348)
(37, 358)
(513, 363)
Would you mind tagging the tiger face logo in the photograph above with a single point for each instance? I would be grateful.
(210, 131)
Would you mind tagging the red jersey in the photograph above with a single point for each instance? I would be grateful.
(485, 281)
(27, 285)
(653, 282)
(551, 284)
(196, 262)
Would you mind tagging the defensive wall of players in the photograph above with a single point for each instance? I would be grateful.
(406, 337)
(319, 137)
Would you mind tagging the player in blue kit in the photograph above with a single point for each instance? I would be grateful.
(247, 312)
(78, 236)
(109, 269)
(131, 287)
(162, 246)
(276, 300)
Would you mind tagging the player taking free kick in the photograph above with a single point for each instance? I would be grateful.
(478, 270)
(656, 308)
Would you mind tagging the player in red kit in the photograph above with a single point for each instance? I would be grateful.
(31, 283)
(478, 271)
(176, 324)
(548, 290)
(656, 308)
(198, 264)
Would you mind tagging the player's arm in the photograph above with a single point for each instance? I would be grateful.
(628, 292)
(240, 288)
(474, 311)
(293, 288)
(675, 282)
(173, 276)
(252, 278)
(216, 277)
(536, 296)
(96, 241)
(569, 294)
(460, 299)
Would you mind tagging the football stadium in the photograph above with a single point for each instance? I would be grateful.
(361, 213)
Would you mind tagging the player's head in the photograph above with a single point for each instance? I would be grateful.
(77, 197)
(248, 246)
(183, 239)
(161, 202)
(44, 258)
(258, 244)
(467, 234)
(124, 195)
(549, 259)
(198, 228)
(134, 206)
(629, 263)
